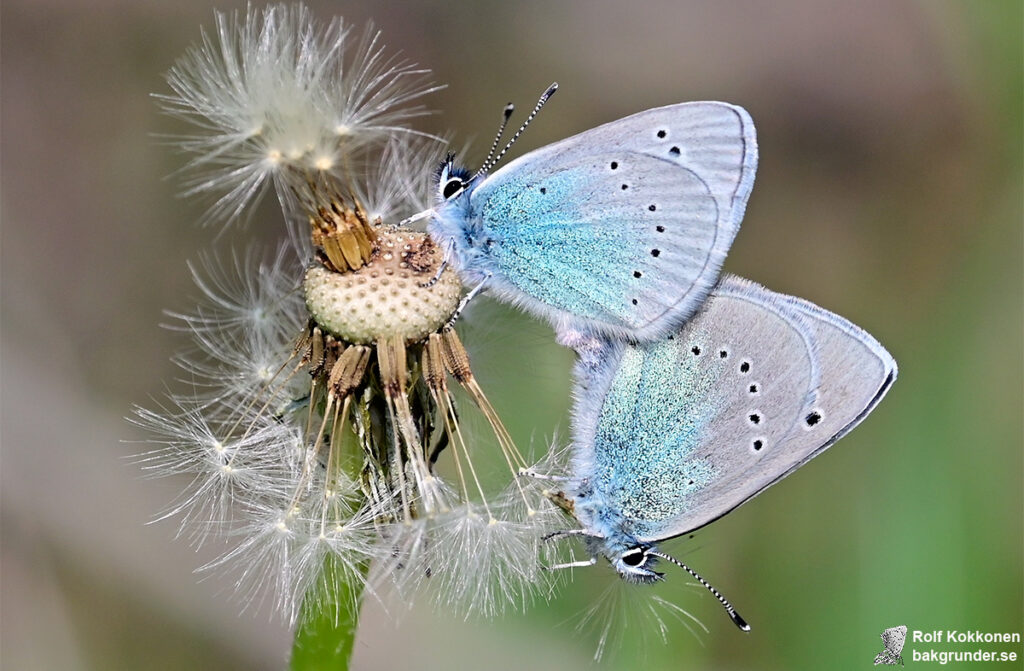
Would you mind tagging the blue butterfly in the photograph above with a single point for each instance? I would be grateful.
(668, 436)
(620, 230)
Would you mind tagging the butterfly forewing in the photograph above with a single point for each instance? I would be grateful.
(622, 228)
(580, 243)
(750, 389)
(857, 372)
(681, 416)
(852, 372)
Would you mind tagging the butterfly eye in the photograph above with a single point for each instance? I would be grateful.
(452, 187)
(633, 557)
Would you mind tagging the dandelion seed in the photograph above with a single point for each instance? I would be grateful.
(276, 96)
(225, 470)
(286, 551)
(397, 186)
(244, 325)
(483, 564)
(621, 609)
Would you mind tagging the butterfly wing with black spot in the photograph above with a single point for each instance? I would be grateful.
(684, 430)
(621, 229)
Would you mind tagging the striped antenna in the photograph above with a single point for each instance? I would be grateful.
(540, 103)
(505, 116)
(737, 620)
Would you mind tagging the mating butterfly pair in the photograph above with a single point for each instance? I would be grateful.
(694, 393)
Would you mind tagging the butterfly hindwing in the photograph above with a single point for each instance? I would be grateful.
(621, 229)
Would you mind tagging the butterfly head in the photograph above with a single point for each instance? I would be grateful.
(634, 564)
(453, 181)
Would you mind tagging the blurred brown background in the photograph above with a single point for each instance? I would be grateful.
(889, 191)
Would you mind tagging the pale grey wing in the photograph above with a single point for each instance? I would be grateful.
(622, 228)
(860, 373)
(682, 415)
(847, 374)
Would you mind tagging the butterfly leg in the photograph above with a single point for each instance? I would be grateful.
(565, 533)
(572, 564)
(467, 298)
(534, 475)
(448, 250)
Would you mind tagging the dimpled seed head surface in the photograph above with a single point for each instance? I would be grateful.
(384, 298)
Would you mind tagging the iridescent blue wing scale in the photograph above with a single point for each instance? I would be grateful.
(674, 434)
(621, 229)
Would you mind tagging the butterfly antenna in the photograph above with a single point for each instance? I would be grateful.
(540, 103)
(505, 116)
(737, 620)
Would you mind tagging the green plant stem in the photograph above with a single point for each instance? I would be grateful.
(329, 618)
(326, 631)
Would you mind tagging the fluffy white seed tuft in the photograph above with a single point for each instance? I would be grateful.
(244, 325)
(278, 98)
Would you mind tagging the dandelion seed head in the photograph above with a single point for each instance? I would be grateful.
(387, 297)
(321, 377)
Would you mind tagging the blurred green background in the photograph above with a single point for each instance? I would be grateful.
(889, 191)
